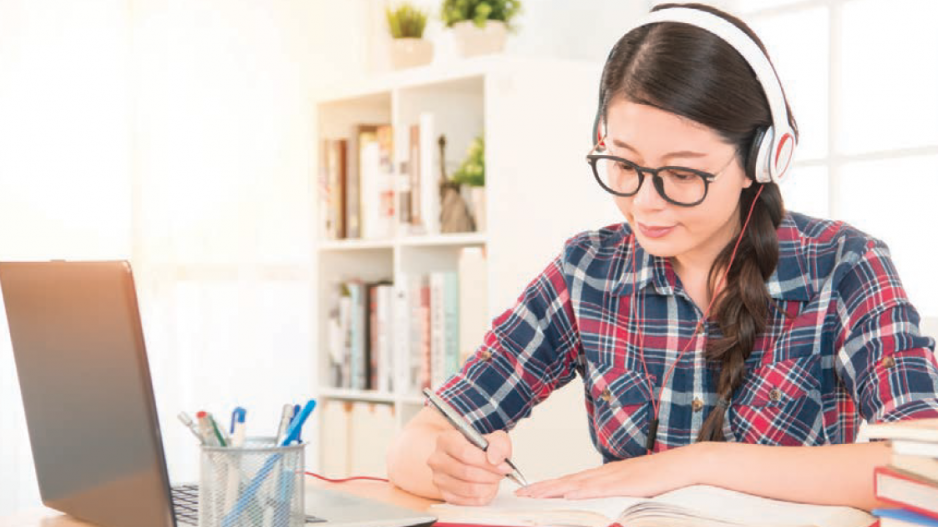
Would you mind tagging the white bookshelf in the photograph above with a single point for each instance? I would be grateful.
(535, 115)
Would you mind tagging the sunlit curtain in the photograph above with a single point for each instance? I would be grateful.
(178, 135)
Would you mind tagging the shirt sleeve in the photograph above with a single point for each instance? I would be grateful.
(529, 352)
(886, 363)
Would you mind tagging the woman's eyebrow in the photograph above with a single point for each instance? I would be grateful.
(679, 153)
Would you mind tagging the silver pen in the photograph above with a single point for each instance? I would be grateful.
(470, 433)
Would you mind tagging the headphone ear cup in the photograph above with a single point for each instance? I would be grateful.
(757, 164)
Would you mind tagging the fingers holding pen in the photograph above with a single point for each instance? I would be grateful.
(457, 456)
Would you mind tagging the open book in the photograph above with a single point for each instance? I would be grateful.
(699, 506)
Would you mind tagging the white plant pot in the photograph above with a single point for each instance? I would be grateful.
(471, 40)
(410, 52)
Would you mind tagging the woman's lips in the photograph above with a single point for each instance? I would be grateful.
(654, 232)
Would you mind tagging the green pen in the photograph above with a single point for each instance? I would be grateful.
(218, 435)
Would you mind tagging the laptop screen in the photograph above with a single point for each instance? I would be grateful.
(79, 351)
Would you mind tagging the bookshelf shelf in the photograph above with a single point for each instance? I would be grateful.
(495, 97)
(357, 395)
(355, 245)
(445, 240)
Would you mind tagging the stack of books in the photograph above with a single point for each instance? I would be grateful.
(910, 481)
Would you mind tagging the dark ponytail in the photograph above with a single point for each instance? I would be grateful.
(690, 72)
(742, 306)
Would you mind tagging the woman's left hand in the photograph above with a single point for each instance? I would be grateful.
(643, 476)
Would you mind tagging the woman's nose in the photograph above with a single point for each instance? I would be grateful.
(647, 196)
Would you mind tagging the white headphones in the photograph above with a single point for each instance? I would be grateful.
(774, 146)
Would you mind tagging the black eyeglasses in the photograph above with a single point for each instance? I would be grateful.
(681, 186)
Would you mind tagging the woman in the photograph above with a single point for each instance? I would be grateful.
(738, 343)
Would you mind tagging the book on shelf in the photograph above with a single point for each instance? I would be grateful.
(698, 506)
(333, 174)
(907, 491)
(428, 329)
(413, 176)
(366, 193)
(376, 182)
(359, 336)
(381, 354)
(444, 326)
(353, 193)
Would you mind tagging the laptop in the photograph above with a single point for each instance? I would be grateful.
(90, 409)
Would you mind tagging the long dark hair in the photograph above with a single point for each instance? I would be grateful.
(691, 72)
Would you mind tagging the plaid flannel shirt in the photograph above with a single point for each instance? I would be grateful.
(842, 343)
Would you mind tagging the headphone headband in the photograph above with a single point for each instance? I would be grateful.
(774, 153)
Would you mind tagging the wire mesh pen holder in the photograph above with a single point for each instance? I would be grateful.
(257, 485)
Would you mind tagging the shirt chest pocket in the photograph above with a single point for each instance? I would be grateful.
(622, 410)
(780, 404)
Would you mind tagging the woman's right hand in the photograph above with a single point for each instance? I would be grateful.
(466, 475)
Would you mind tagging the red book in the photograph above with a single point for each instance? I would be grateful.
(906, 491)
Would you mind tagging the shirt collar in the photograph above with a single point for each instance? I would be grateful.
(649, 269)
(788, 281)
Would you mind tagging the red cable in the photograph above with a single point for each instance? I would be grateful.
(656, 405)
(343, 480)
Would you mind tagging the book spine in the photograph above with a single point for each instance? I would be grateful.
(437, 330)
(424, 317)
(413, 165)
(451, 323)
(374, 351)
(386, 183)
(385, 366)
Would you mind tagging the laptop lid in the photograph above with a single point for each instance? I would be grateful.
(83, 373)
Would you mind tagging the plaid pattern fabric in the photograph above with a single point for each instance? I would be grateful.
(842, 342)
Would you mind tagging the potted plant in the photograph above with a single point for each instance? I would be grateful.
(408, 48)
(471, 176)
(480, 26)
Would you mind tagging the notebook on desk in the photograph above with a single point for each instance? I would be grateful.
(694, 506)
(90, 409)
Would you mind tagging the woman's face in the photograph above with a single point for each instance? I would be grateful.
(651, 137)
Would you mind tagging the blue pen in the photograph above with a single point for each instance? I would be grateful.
(296, 426)
(296, 412)
(237, 426)
(292, 433)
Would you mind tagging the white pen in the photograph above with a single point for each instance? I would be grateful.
(237, 426)
(285, 418)
(190, 424)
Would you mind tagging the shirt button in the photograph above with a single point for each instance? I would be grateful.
(485, 355)
(697, 404)
(775, 395)
(606, 395)
(888, 362)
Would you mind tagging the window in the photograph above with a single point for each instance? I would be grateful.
(861, 76)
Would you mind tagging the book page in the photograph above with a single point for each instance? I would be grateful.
(746, 509)
(508, 509)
